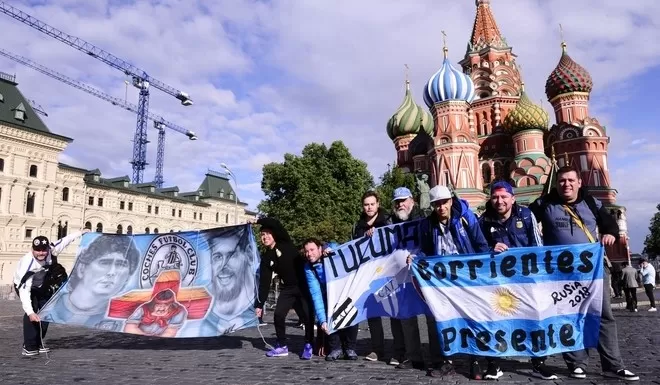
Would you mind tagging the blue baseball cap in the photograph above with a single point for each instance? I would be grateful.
(501, 185)
(401, 193)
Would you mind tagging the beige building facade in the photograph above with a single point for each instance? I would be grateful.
(41, 196)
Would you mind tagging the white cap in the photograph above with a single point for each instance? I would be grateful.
(439, 192)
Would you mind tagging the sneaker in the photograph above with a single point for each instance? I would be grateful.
(493, 372)
(407, 364)
(393, 362)
(262, 322)
(475, 371)
(578, 373)
(279, 351)
(307, 352)
(30, 353)
(371, 357)
(441, 370)
(543, 372)
(622, 374)
(653, 309)
(351, 355)
(334, 355)
(44, 349)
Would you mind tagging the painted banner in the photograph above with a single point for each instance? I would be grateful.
(368, 277)
(187, 284)
(535, 301)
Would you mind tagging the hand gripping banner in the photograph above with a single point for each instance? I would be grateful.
(188, 284)
(535, 301)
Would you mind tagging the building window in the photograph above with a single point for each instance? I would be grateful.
(217, 217)
(65, 194)
(130, 206)
(179, 213)
(99, 227)
(200, 216)
(156, 210)
(485, 171)
(174, 212)
(227, 218)
(147, 231)
(156, 230)
(2, 164)
(90, 201)
(120, 229)
(149, 209)
(28, 233)
(222, 193)
(129, 230)
(88, 225)
(121, 205)
(29, 204)
(596, 178)
(100, 202)
(33, 171)
(231, 195)
(194, 215)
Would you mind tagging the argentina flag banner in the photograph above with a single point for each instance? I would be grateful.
(368, 277)
(535, 301)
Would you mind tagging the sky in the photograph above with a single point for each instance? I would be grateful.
(269, 77)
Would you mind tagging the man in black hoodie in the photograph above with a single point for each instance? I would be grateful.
(283, 258)
(374, 216)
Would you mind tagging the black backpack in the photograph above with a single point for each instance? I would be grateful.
(54, 279)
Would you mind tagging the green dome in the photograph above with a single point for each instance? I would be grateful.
(409, 118)
(526, 116)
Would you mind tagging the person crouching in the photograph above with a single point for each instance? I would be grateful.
(341, 342)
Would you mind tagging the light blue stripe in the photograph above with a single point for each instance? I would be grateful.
(585, 329)
(427, 270)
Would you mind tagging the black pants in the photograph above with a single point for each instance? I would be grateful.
(293, 298)
(34, 332)
(377, 336)
(399, 340)
(649, 293)
(631, 298)
(344, 339)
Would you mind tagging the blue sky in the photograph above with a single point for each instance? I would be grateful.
(269, 77)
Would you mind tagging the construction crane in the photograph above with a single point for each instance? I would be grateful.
(141, 80)
(159, 122)
(37, 107)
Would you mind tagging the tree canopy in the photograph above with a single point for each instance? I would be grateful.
(652, 241)
(392, 179)
(316, 194)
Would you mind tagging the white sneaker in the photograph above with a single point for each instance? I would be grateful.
(578, 373)
(653, 309)
(622, 374)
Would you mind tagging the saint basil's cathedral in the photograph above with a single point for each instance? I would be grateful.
(481, 126)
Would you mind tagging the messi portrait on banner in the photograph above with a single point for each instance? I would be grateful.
(188, 284)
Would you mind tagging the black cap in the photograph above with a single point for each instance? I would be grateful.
(40, 243)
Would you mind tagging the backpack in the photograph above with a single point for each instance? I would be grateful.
(54, 279)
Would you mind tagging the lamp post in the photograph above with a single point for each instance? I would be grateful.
(231, 174)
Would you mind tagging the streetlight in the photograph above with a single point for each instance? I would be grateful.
(231, 174)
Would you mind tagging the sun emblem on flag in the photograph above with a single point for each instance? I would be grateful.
(504, 302)
(379, 270)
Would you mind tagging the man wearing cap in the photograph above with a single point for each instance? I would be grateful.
(404, 209)
(453, 229)
(28, 278)
(505, 224)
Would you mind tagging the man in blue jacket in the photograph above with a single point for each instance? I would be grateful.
(505, 224)
(342, 341)
(453, 229)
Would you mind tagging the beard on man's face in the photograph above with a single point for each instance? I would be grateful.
(403, 213)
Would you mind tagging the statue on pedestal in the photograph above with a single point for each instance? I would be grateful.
(423, 188)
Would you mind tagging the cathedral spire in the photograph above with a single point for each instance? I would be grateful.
(485, 32)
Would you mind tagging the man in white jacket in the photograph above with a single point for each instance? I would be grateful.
(30, 274)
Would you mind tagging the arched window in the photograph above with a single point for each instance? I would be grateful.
(33, 171)
(29, 203)
(227, 218)
(65, 194)
(129, 230)
(120, 229)
(156, 230)
(99, 227)
(217, 217)
(147, 231)
(88, 225)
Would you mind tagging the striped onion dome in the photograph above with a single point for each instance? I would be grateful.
(526, 116)
(449, 83)
(409, 118)
(568, 76)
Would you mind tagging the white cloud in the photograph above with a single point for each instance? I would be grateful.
(269, 77)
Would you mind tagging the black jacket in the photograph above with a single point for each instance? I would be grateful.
(284, 259)
(362, 225)
(416, 213)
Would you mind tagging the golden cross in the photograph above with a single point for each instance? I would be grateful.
(444, 39)
(407, 69)
(561, 32)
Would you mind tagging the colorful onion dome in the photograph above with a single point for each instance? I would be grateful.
(526, 116)
(567, 77)
(449, 83)
(409, 118)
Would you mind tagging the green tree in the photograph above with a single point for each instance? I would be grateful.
(392, 179)
(316, 194)
(652, 241)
